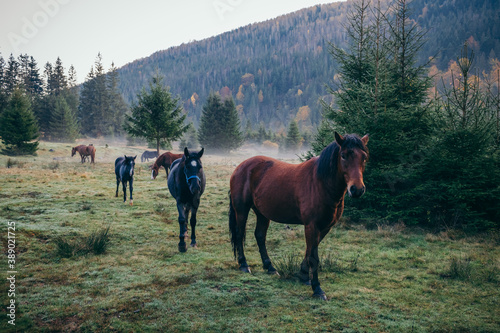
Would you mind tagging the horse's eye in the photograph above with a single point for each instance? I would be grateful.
(342, 156)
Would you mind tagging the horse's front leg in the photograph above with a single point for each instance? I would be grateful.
(192, 221)
(182, 227)
(131, 185)
(311, 259)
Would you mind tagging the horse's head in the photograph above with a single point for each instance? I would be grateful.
(353, 156)
(193, 169)
(73, 151)
(130, 164)
(154, 171)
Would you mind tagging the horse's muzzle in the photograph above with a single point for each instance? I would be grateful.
(355, 192)
(195, 186)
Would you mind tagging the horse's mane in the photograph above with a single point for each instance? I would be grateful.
(327, 161)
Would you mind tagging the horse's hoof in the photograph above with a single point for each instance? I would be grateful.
(320, 296)
(182, 248)
(273, 271)
(194, 245)
(245, 269)
(319, 293)
(131, 203)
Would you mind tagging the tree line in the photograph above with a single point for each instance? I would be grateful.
(53, 107)
(62, 110)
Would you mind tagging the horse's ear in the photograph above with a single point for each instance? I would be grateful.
(200, 154)
(186, 151)
(135, 157)
(125, 156)
(339, 139)
(365, 139)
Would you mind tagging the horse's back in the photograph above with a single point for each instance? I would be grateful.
(269, 186)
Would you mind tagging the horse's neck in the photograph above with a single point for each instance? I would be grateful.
(334, 187)
(163, 161)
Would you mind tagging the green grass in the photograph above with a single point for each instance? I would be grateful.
(387, 280)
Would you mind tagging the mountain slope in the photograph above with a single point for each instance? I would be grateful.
(277, 70)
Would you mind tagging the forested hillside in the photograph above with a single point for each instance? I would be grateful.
(277, 70)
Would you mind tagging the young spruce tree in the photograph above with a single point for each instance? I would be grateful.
(157, 116)
(18, 126)
(293, 139)
(220, 125)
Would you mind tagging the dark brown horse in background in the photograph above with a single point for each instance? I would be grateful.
(165, 160)
(84, 151)
(310, 193)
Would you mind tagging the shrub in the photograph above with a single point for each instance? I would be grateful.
(288, 265)
(96, 243)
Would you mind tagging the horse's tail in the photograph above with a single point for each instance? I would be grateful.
(233, 226)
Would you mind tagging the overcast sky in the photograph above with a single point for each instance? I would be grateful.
(122, 30)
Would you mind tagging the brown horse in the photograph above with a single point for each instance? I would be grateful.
(165, 160)
(310, 193)
(84, 151)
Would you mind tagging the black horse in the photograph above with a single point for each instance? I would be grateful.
(124, 170)
(148, 154)
(186, 183)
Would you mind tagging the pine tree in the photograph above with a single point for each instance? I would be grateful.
(18, 127)
(33, 81)
(463, 163)
(11, 75)
(58, 80)
(86, 108)
(293, 139)
(156, 117)
(117, 105)
(3, 92)
(63, 124)
(95, 114)
(220, 125)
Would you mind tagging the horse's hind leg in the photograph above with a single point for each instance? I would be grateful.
(117, 187)
(124, 191)
(260, 236)
(238, 215)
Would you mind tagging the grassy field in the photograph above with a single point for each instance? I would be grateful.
(390, 279)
